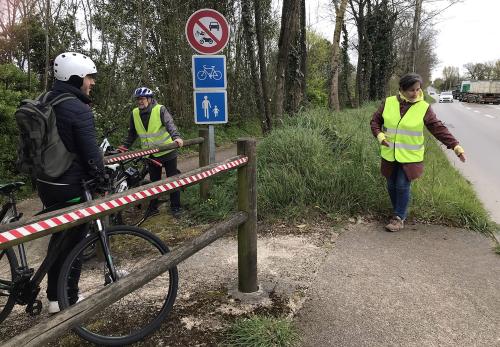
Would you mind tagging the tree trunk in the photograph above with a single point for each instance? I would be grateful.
(250, 46)
(47, 45)
(288, 18)
(415, 34)
(303, 51)
(333, 101)
(143, 43)
(263, 68)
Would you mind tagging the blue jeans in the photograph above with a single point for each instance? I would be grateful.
(398, 186)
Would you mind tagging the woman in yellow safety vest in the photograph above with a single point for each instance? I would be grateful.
(398, 125)
(154, 126)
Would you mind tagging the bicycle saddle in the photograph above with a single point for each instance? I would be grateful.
(10, 187)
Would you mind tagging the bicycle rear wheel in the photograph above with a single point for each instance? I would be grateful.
(8, 265)
(137, 314)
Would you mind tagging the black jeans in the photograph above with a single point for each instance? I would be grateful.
(171, 170)
(52, 194)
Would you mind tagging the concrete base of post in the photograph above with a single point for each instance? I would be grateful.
(260, 297)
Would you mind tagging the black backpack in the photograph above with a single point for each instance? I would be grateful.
(40, 151)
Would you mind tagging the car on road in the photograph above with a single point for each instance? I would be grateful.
(431, 93)
(446, 96)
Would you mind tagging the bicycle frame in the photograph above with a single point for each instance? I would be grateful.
(26, 282)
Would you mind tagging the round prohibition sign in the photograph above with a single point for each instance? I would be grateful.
(207, 31)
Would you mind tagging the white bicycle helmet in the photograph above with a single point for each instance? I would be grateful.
(70, 63)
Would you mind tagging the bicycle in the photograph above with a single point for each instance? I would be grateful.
(126, 175)
(121, 251)
(209, 72)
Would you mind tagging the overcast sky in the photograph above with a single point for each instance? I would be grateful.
(467, 32)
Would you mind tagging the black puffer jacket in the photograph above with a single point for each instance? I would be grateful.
(75, 124)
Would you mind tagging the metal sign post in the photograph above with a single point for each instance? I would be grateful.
(211, 144)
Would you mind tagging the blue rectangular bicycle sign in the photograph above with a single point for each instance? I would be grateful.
(210, 107)
(209, 71)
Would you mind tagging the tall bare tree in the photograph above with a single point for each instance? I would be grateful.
(248, 31)
(262, 65)
(47, 45)
(289, 17)
(333, 100)
(415, 33)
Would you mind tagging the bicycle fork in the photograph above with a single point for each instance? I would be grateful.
(112, 275)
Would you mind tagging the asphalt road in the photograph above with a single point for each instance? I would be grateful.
(477, 127)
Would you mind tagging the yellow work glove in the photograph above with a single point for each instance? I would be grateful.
(380, 137)
(458, 150)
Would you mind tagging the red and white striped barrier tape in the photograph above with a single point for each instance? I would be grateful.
(133, 155)
(23, 231)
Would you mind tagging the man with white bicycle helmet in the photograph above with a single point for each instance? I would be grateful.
(74, 77)
(153, 124)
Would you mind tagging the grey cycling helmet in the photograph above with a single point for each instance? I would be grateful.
(73, 64)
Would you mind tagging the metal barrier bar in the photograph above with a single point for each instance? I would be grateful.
(19, 232)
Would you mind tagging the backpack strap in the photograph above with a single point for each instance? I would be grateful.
(62, 97)
(42, 98)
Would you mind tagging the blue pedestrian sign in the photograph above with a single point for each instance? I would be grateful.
(209, 71)
(210, 107)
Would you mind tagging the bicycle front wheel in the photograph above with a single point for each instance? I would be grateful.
(8, 265)
(132, 215)
(137, 314)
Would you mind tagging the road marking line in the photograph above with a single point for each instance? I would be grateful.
(476, 111)
(468, 108)
(489, 116)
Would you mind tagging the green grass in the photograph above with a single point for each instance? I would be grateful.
(320, 161)
(429, 98)
(259, 331)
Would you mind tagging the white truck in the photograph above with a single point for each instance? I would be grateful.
(483, 92)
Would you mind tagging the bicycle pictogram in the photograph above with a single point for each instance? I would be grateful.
(209, 72)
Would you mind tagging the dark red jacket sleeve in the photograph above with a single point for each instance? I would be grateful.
(438, 129)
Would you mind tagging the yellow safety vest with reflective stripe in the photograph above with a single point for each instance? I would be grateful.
(405, 135)
(156, 135)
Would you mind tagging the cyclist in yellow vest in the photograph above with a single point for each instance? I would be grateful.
(398, 125)
(154, 126)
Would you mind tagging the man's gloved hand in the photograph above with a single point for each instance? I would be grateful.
(179, 142)
(122, 149)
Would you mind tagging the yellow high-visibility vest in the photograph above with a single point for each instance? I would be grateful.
(405, 135)
(156, 135)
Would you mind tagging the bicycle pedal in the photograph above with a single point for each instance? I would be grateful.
(34, 308)
(107, 279)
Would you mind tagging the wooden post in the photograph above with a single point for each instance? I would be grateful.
(57, 325)
(204, 161)
(247, 232)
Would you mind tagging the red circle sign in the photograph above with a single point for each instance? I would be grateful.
(207, 31)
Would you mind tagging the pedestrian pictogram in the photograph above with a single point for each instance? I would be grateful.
(207, 31)
(209, 71)
(210, 107)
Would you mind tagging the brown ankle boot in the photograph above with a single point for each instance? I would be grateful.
(396, 224)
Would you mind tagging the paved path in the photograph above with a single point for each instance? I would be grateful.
(425, 286)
